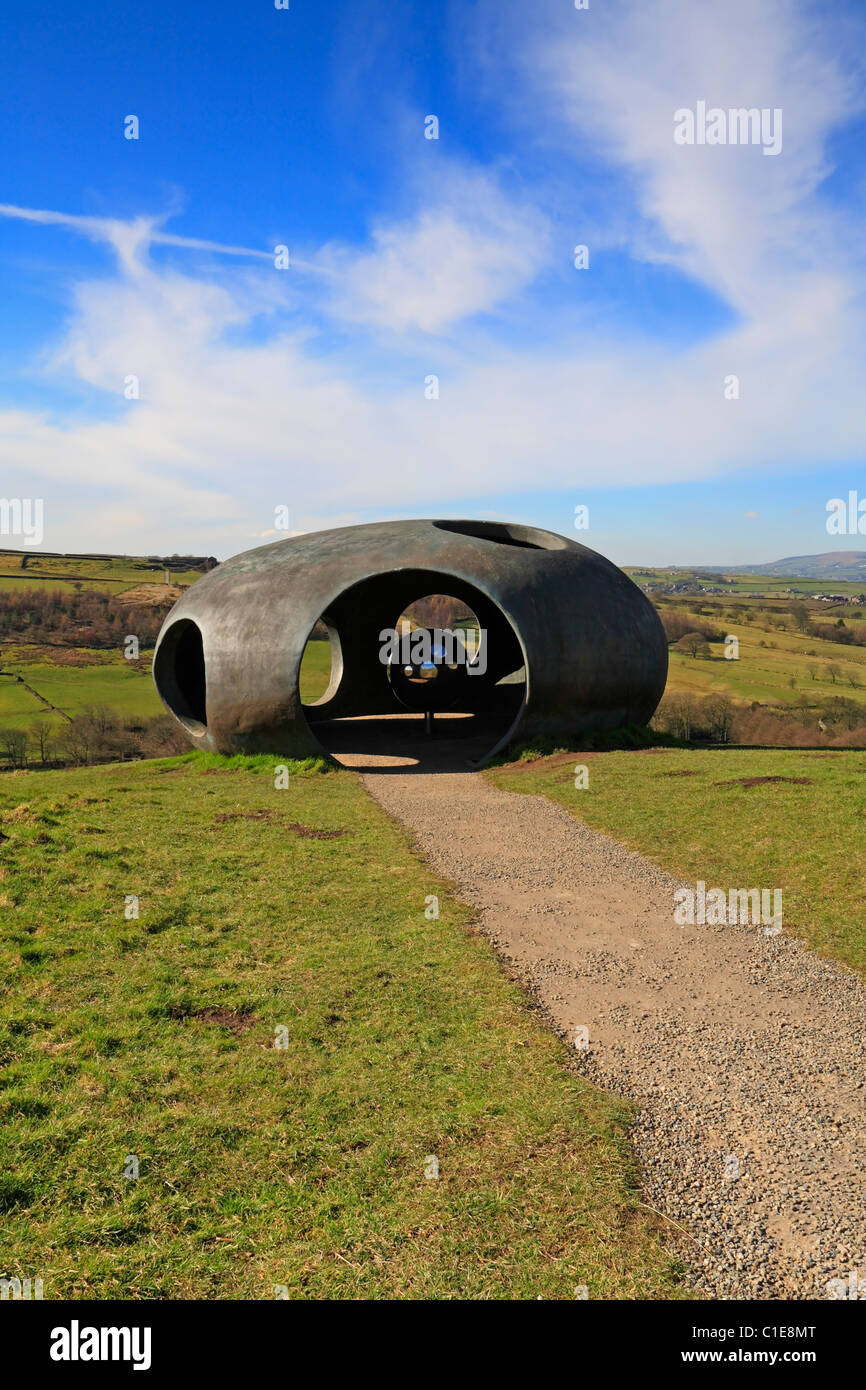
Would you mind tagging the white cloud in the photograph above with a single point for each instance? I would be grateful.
(462, 254)
(227, 429)
(740, 222)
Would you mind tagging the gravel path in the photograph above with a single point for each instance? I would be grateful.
(744, 1053)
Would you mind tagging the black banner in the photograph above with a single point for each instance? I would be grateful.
(83, 1340)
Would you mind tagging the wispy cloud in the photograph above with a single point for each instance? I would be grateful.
(132, 238)
(467, 250)
(742, 224)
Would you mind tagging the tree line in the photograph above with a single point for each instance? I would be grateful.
(95, 735)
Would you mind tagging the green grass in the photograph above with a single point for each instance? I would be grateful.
(18, 706)
(684, 809)
(119, 685)
(262, 1167)
(114, 683)
(315, 670)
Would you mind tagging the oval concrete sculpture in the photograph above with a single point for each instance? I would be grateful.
(571, 645)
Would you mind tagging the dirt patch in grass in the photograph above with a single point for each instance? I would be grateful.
(759, 781)
(306, 832)
(549, 760)
(309, 832)
(226, 1018)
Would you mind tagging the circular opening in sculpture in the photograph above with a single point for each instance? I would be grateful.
(428, 663)
(505, 533)
(179, 674)
(438, 649)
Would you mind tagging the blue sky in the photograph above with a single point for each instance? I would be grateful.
(413, 258)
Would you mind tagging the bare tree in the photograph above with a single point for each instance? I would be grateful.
(78, 739)
(719, 711)
(15, 747)
(676, 715)
(41, 732)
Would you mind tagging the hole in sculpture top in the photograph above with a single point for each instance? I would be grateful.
(505, 533)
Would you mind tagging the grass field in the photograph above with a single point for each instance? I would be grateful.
(687, 810)
(17, 704)
(765, 672)
(761, 673)
(109, 681)
(73, 688)
(262, 1167)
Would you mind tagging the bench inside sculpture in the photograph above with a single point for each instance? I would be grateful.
(554, 640)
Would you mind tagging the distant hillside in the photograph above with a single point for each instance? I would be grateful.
(47, 569)
(832, 564)
(170, 562)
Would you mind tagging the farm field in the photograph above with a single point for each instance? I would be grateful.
(309, 1165)
(113, 574)
(73, 688)
(753, 585)
(769, 661)
(689, 810)
(17, 704)
(107, 680)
